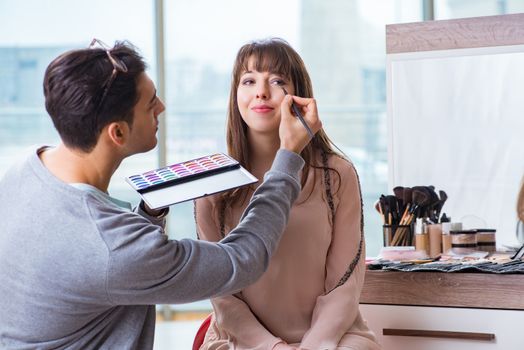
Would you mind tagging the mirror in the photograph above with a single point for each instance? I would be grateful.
(456, 119)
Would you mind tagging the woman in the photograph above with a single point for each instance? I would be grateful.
(308, 298)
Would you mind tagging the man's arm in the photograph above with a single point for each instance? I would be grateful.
(147, 268)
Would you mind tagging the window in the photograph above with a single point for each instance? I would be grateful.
(36, 39)
(343, 46)
(448, 9)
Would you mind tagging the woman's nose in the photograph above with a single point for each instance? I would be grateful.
(263, 92)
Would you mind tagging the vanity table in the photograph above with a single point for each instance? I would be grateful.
(442, 311)
(455, 121)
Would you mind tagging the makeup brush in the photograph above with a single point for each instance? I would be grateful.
(443, 195)
(432, 205)
(393, 208)
(384, 208)
(443, 199)
(420, 199)
(408, 193)
(378, 208)
(399, 193)
(295, 109)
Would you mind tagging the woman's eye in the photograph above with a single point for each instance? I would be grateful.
(247, 82)
(278, 82)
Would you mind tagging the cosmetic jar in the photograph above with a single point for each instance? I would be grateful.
(397, 235)
(486, 240)
(463, 241)
(447, 227)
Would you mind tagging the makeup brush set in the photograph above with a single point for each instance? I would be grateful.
(400, 210)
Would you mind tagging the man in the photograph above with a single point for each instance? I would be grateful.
(78, 269)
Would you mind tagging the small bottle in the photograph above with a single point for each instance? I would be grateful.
(435, 240)
(421, 236)
(446, 237)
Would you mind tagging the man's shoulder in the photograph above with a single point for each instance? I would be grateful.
(24, 166)
(20, 164)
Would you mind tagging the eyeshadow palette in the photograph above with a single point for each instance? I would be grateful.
(182, 172)
(190, 179)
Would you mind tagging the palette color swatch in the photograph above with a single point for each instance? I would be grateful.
(182, 172)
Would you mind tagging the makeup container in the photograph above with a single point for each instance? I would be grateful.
(397, 235)
(435, 240)
(446, 237)
(447, 227)
(421, 236)
(486, 240)
(463, 241)
(386, 232)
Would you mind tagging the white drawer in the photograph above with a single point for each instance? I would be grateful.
(506, 325)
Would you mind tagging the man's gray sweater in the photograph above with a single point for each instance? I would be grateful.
(79, 272)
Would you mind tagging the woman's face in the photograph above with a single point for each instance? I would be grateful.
(259, 95)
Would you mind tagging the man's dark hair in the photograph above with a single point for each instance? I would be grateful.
(74, 85)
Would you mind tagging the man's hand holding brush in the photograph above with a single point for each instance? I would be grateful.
(293, 132)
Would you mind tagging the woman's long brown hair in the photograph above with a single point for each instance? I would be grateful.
(273, 55)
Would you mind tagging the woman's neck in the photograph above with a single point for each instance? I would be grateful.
(262, 151)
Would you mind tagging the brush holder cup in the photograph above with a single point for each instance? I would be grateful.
(397, 235)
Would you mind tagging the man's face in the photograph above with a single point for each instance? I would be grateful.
(145, 117)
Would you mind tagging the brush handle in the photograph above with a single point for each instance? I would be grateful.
(297, 113)
(301, 118)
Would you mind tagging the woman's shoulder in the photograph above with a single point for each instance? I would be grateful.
(342, 165)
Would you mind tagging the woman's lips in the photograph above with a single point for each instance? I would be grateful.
(262, 109)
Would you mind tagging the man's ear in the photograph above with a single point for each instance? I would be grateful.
(118, 132)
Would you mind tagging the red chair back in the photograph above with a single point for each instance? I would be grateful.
(201, 333)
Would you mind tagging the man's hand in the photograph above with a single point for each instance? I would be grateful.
(153, 212)
(293, 135)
